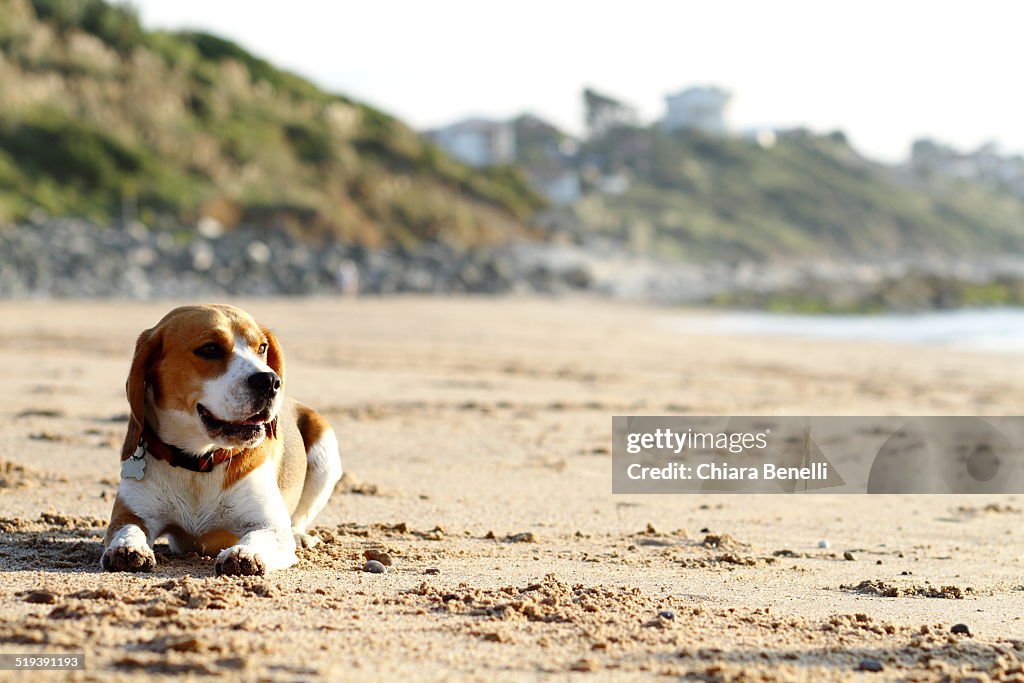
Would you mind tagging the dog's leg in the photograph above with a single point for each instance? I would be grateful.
(126, 545)
(260, 520)
(323, 470)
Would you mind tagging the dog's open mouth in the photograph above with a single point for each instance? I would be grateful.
(249, 428)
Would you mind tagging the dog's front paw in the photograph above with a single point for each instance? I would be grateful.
(128, 558)
(240, 561)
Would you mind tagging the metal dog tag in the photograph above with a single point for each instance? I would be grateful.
(135, 466)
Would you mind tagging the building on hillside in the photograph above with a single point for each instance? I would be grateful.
(986, 164)
(539, 142)
(548, 155)
(560, 185)
(615, 184)
(700, 108)
(478, 141)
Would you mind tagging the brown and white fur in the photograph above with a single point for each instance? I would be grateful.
(206, 378)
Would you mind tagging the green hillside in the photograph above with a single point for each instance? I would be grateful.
(96, 113)
(98, 116)
(700, 197)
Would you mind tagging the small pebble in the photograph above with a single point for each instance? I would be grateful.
(961, 629)
(432, 570)
(849, 557)
(870, 664)
(824, 544)
(185, 645)
(41, 597)
(375, 567)
(585, 665)
(379, 556)
(667, 614)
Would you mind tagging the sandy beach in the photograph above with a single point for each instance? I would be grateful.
(476, 437)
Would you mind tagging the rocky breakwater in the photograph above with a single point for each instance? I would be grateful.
(73, 258)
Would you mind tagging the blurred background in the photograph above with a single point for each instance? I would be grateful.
(861, 159)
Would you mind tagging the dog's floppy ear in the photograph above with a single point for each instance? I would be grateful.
(275, 357)
(146, 348)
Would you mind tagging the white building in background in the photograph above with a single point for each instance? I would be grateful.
(478, 141)
(560, 186)
(985, 164)
(701, 108)
(615, 184)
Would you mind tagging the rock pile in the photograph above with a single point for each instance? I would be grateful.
(73, 258)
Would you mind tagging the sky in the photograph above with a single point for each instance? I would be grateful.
(886, 73)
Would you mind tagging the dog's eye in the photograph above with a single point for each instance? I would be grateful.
(262, 349)
(210, 351)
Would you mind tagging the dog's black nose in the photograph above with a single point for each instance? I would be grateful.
(265, 383)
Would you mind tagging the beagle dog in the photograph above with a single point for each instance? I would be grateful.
(215, 458)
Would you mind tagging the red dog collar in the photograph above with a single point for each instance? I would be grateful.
(189, 461)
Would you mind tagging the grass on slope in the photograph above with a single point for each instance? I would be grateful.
(699, 197)
(94, 110)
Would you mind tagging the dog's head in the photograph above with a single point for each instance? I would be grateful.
(205, 377)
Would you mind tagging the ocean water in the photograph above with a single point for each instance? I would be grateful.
(995, 330)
